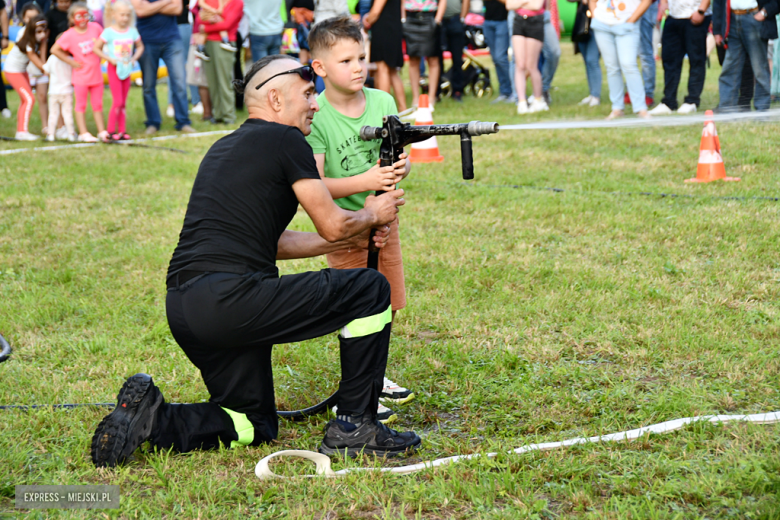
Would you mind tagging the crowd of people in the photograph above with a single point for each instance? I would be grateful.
(206, 44)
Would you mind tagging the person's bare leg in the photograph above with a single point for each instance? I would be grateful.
(518, 47)
(81, 122)
(41, 94)
(382, 77)
(434, 70)
(206, 100)
(532, 50)
(99, 121)
(414, 79)
(398, 89)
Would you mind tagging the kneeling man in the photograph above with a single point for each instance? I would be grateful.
(227, 305)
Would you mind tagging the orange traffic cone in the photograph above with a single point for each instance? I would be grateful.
(711, 167)
(428, 150)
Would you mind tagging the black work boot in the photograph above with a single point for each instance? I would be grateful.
(369, 437)
(130, 424)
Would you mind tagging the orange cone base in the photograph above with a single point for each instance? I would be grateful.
(728, 179)
(423, 155)
(426, 159)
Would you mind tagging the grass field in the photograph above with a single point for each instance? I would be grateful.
(533, 316)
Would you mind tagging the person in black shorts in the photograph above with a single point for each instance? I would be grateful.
(227, 305)
(527, 42)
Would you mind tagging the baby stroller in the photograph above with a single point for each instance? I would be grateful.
(476, 77)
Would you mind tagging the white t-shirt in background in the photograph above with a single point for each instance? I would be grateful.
(60, 76)
(17, 61)
(683, 9)
(613, 12)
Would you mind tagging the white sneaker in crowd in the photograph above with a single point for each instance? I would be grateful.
(538, 105)
(661, 110)
(6, 113)
(62, 133)
(522, 107)
(586, 101)
(169, 111)
(87, 138)
(530, 99)
(687, 108)
(72, 138)
(50, 138)
(198, 109)
(26, 136)
(594, 102)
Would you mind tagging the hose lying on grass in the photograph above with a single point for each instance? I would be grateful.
(263, 471)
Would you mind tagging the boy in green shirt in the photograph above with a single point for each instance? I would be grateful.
(348, 165)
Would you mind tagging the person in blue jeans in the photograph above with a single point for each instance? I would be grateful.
(615, 26)
(160, 34)
(265, 27)
(185, 32)
(751, 24)
(551, 54)
(496, 34)
(646, 56)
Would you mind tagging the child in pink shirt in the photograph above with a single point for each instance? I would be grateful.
(75, 48)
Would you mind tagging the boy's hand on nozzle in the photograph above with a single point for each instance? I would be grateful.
(380, 178)
(402, 167)
(385, 208)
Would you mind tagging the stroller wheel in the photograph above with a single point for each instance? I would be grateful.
(482, 88)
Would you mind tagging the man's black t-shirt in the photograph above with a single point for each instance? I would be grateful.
(242, 199)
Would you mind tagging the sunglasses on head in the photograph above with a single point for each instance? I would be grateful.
(306, 73)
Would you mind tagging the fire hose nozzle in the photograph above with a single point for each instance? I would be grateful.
(480, 128)
(369, 133)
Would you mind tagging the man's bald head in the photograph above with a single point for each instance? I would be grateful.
(287, 99)
(265, 68)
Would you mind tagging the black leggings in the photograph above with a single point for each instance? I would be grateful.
(227, 325)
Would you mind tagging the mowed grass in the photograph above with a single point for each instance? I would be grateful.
(533, 316)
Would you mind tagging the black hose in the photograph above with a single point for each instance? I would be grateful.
(5, 349)
(294, 415)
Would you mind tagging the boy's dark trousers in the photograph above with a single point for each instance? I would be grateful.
(227, 325)
(681, 37)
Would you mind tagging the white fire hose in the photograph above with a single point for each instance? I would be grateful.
(263, 471)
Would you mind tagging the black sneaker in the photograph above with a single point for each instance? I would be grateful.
(130, 424)
(547, 98)
(370, 438)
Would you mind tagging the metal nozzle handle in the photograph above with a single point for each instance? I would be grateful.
(479, 128)
(369, 133)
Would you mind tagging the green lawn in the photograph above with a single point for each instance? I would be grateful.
(533, 316)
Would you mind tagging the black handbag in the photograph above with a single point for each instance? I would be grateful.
(580, 32)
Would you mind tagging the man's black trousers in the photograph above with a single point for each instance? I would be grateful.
(227, 325)
(681, 37)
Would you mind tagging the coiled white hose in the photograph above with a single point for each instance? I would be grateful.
(263, 471)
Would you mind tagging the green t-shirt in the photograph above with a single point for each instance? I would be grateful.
(337, 136)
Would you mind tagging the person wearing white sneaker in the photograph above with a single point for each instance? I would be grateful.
(26, 136)
(661, 110)
(522, 107)
(527, 41)
(685, 33)
(538, 105)
(687, 108)
(616, 30)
